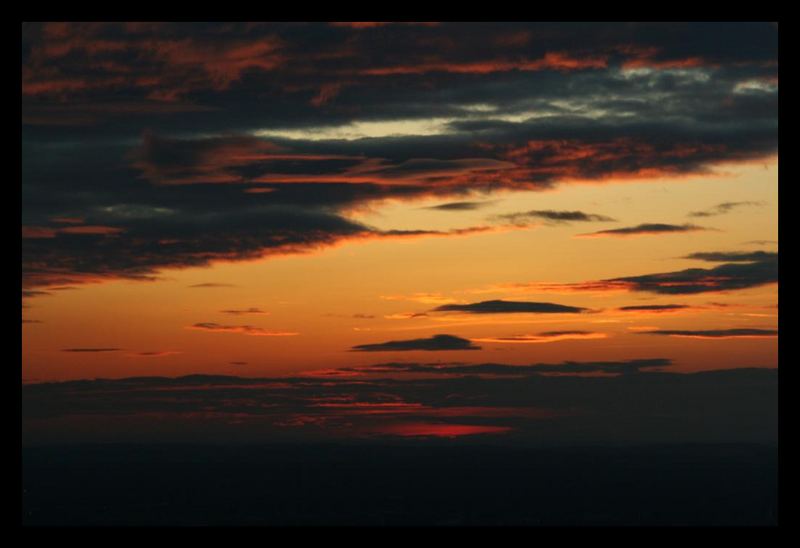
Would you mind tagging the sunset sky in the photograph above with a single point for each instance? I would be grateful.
(384, 205)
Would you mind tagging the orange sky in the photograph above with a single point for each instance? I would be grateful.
(304, 312)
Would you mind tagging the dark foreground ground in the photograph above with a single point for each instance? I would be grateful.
(405, 484)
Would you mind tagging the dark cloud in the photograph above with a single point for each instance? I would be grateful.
(647, 228)
(553, 217)
(654, 307)
(434, 343)
(173, 145)
(734, 256)
(722, 208)
(741, 333)
(577, 368)
(211, 285)
(33, 293)
(739, 271)
(507, 307)
(460, 206)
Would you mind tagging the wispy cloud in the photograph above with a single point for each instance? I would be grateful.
(245, 311)
(723, 208)
(552, 217)
(544, 337)
(243, 329)
(647, 229)
(740, 270)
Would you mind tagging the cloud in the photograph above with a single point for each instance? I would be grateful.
(406, 315)
(762, 242)
(723, 208)
(243, 329)
(644, 229)
(568, 367)
(210, 285)
(654, 308)
(425, 298)
(92, 350)
(554, 217)
(740, 270)
(170, 62)
(742, 333)
(461, 206)
(625, 401)
(28, 293)
(241, 312)
(434, 343)
(508, 307)
(734, 256)
(545, 337)
(36, 232)
(269, 135)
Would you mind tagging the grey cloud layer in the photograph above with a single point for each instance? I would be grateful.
(162, 145)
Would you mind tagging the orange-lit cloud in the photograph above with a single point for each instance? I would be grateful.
(544, 337)
(243, 329)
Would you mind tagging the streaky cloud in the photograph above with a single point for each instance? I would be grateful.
(643, 230)
(243, 329)
(461, 206)
(553, 217)
(723, 208)
(545, 337)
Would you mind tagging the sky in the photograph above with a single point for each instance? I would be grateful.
(399, 229)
